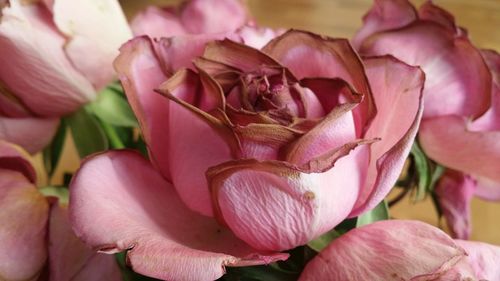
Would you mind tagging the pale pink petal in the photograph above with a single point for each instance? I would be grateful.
(385, 15)
(157, 22)
(30, 41)
(140, 73)
(14, 158)
(70, 259)
(119, 202)
(397, 92)
(448, 141)
(483, 258)
(206, 16)
(256, 37)
(454, 192)
(386, 250)
(33, 134)
(24, 221)
(454, 68)
(487, 189)
(95, 31)
(273, 206)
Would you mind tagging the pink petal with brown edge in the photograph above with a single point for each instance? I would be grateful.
(309, 55)
(205, 16)
(385, 15)
(165, 239)
(55, 88)
(274, 206)
(32, 133)
(431, 12)
(484, 259)
(140, 73)
(454, 192)
(454, 68)
(157, 22)
(197, 139)
(70, 259)
(448, 141)
(386, 250)
(24, 221)
(14, 158)
(92, 45)
(397, 92)
(331, 92)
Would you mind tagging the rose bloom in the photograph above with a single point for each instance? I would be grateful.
(251, 151)
(403, 250)
(37, 240)
(461, 123)
(55, 56)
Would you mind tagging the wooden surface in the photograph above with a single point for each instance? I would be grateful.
(341, 18)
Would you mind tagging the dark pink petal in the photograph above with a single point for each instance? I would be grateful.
(33, 134)
(454, 68)
(140, 73)
(385, 15)
(29, 40)
(14, 158)
(23, 221)
(205, 16)
(156, 22)
(274, 206)
(95, 32)
(455, 191)
(431, 12)
(397, 92)
(448, 141)
(119, 202)
(483, 258)
(70, 259)
(386, 250)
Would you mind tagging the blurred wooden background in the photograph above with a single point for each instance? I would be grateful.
(341, 18)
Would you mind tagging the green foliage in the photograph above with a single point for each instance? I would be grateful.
(52, 153)
(112, 108)
(87, 133)
(380, 212)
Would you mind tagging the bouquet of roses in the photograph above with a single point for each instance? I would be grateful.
(213, 148)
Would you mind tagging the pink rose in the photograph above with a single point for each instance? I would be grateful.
(252, 151)
(461, 124)
(403, 250)
(54, 59)
(35, 230)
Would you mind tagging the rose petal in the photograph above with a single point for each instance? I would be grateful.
(157, 22)
(397, 92)
(484, 259)
(33, 134)
(384, 15)
(24, 220)
(429, 11)
(29, 40)
(93, 44)
(454, 192)
(205, 16)
(386, 250)
(256, 37)
(454, 68)
(14, 158)
(487, 189)
(139, 211)
(448, 141)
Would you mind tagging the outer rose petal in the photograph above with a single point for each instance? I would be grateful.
(487, 189)
(33, 134)
(157, 22)
(93, 44)
(454, 68)
(119, 202)
(206, 16)
(448, 141)
(484, 259)
(386, 250)
(24, 220)
(29, 40)
(256, 37)
(273, 206)
(70, 259)
(455, 191)
(14, 158)
(397, 92)
(385, 15)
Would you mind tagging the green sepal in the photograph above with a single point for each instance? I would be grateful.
(379, 213)
(87, 133)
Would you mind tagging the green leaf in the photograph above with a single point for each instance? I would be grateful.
(87, 133)
(381, 212)
(60, 192)
(324, 240)
(52, 153)
(423, 170)
(436, 175)
(113, 109)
